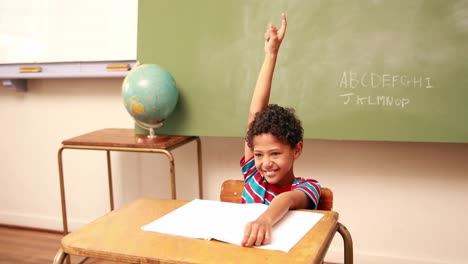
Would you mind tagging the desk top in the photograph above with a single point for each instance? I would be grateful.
(118, 236)
(126, 138)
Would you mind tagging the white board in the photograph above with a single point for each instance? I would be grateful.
(67, 31)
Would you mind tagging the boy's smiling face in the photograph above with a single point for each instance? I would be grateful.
(275, 159)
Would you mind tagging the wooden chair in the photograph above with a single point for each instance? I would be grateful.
(231, 191)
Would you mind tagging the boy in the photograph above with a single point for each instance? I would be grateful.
(273, 143)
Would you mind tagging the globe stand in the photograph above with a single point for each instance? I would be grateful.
(150, 128)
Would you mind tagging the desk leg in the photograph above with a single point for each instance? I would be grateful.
(200, 171)
(109, 176)
(62, 192)
(348, 243)
(171, 172)
(60, 256)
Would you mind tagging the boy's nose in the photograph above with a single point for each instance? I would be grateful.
(267, 162)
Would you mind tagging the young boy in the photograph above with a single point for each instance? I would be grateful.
(273, 143)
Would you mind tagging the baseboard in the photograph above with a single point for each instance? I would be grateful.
(29, 228)
(336, 256)
(39, 221)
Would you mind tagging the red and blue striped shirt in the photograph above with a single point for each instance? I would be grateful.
(258, 190)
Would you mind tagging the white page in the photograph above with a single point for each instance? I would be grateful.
(206, 219)
(223, 221)
(290, 229)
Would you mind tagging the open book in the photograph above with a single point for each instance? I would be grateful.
(205, 219)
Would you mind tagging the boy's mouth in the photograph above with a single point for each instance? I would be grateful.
(269, 173)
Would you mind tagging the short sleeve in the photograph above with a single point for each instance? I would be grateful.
(248, 168)
(312, 189)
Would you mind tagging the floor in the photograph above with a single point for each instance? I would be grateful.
(30, 246)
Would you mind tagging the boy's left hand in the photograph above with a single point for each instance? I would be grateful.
(257, 233)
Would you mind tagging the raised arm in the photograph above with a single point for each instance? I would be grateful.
(261, 95)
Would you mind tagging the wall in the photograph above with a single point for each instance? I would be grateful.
(402, 202)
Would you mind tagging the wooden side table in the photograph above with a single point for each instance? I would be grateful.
(125, 140)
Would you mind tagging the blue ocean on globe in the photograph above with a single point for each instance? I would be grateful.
(150, 95)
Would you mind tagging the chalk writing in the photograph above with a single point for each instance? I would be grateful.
(371, 82)
(353, 80)
(377, 100)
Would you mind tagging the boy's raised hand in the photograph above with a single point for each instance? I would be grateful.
(274, 36)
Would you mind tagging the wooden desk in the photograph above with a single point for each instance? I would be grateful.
(118, 236)
(122, 139)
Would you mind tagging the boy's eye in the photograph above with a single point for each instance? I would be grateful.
(275, 153)
(257, 155)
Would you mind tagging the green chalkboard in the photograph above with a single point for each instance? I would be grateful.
(390, 70)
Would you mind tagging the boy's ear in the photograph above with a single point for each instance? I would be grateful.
(298, 150)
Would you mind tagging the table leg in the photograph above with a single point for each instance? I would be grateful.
(109, 176)
(60, 256)
(62, 192)
(171, 172)
(200, 171)
(348, 243)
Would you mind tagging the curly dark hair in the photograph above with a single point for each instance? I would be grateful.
(280, 121)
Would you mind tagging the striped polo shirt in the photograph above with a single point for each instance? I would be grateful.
(258, 190)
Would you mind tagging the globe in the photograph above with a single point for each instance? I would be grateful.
(150, 95)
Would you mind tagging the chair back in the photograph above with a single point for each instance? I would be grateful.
(231, 191)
